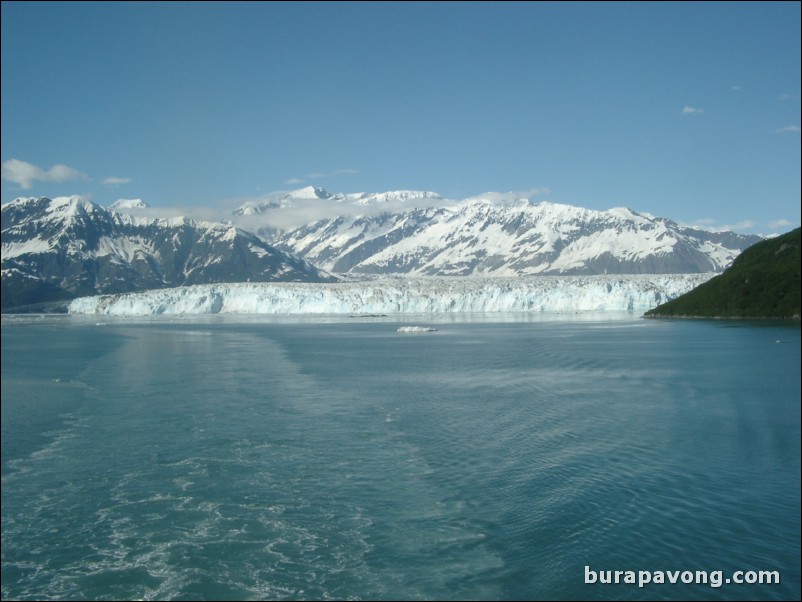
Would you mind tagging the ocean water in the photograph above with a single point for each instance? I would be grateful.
(248, 459)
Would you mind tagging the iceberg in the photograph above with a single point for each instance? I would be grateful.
(560, 294)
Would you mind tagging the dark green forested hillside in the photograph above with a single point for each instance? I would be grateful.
(763, 282)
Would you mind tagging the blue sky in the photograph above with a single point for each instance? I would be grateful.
(689, 111)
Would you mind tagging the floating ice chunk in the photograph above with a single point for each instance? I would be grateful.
(416, 329)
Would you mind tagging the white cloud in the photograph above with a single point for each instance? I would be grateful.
(307, 211)
(316, 175)
(686, 110)
(736, 88)
(775, 227)
(794, 129)
(203, 214)
(24, 173)
(789, 97)
(747, 224)
(779, 223)
(114, 181)
(712, 225)
(512, 195)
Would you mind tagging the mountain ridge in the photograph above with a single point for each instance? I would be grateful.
(62, 248)
(499, 237)
(57, 249)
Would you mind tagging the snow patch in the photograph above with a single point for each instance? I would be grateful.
(33, 245)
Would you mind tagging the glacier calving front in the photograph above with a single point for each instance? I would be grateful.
(563, 294)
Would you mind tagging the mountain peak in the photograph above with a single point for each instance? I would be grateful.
(310, 192)
(71, 206)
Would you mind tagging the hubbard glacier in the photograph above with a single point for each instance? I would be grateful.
(55, 250)
(559, 294)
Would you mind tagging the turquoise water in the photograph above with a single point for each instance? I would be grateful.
(221, 460)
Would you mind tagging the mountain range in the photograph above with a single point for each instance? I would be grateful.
(58, 249)
(492, 237)
(67, 247)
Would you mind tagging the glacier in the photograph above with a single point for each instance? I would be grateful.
(559, 294)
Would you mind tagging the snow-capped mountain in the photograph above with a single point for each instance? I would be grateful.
(428, 235)
(561, 294)
(271, 217)
(65, 247)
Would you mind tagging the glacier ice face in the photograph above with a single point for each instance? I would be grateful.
(563, 294)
